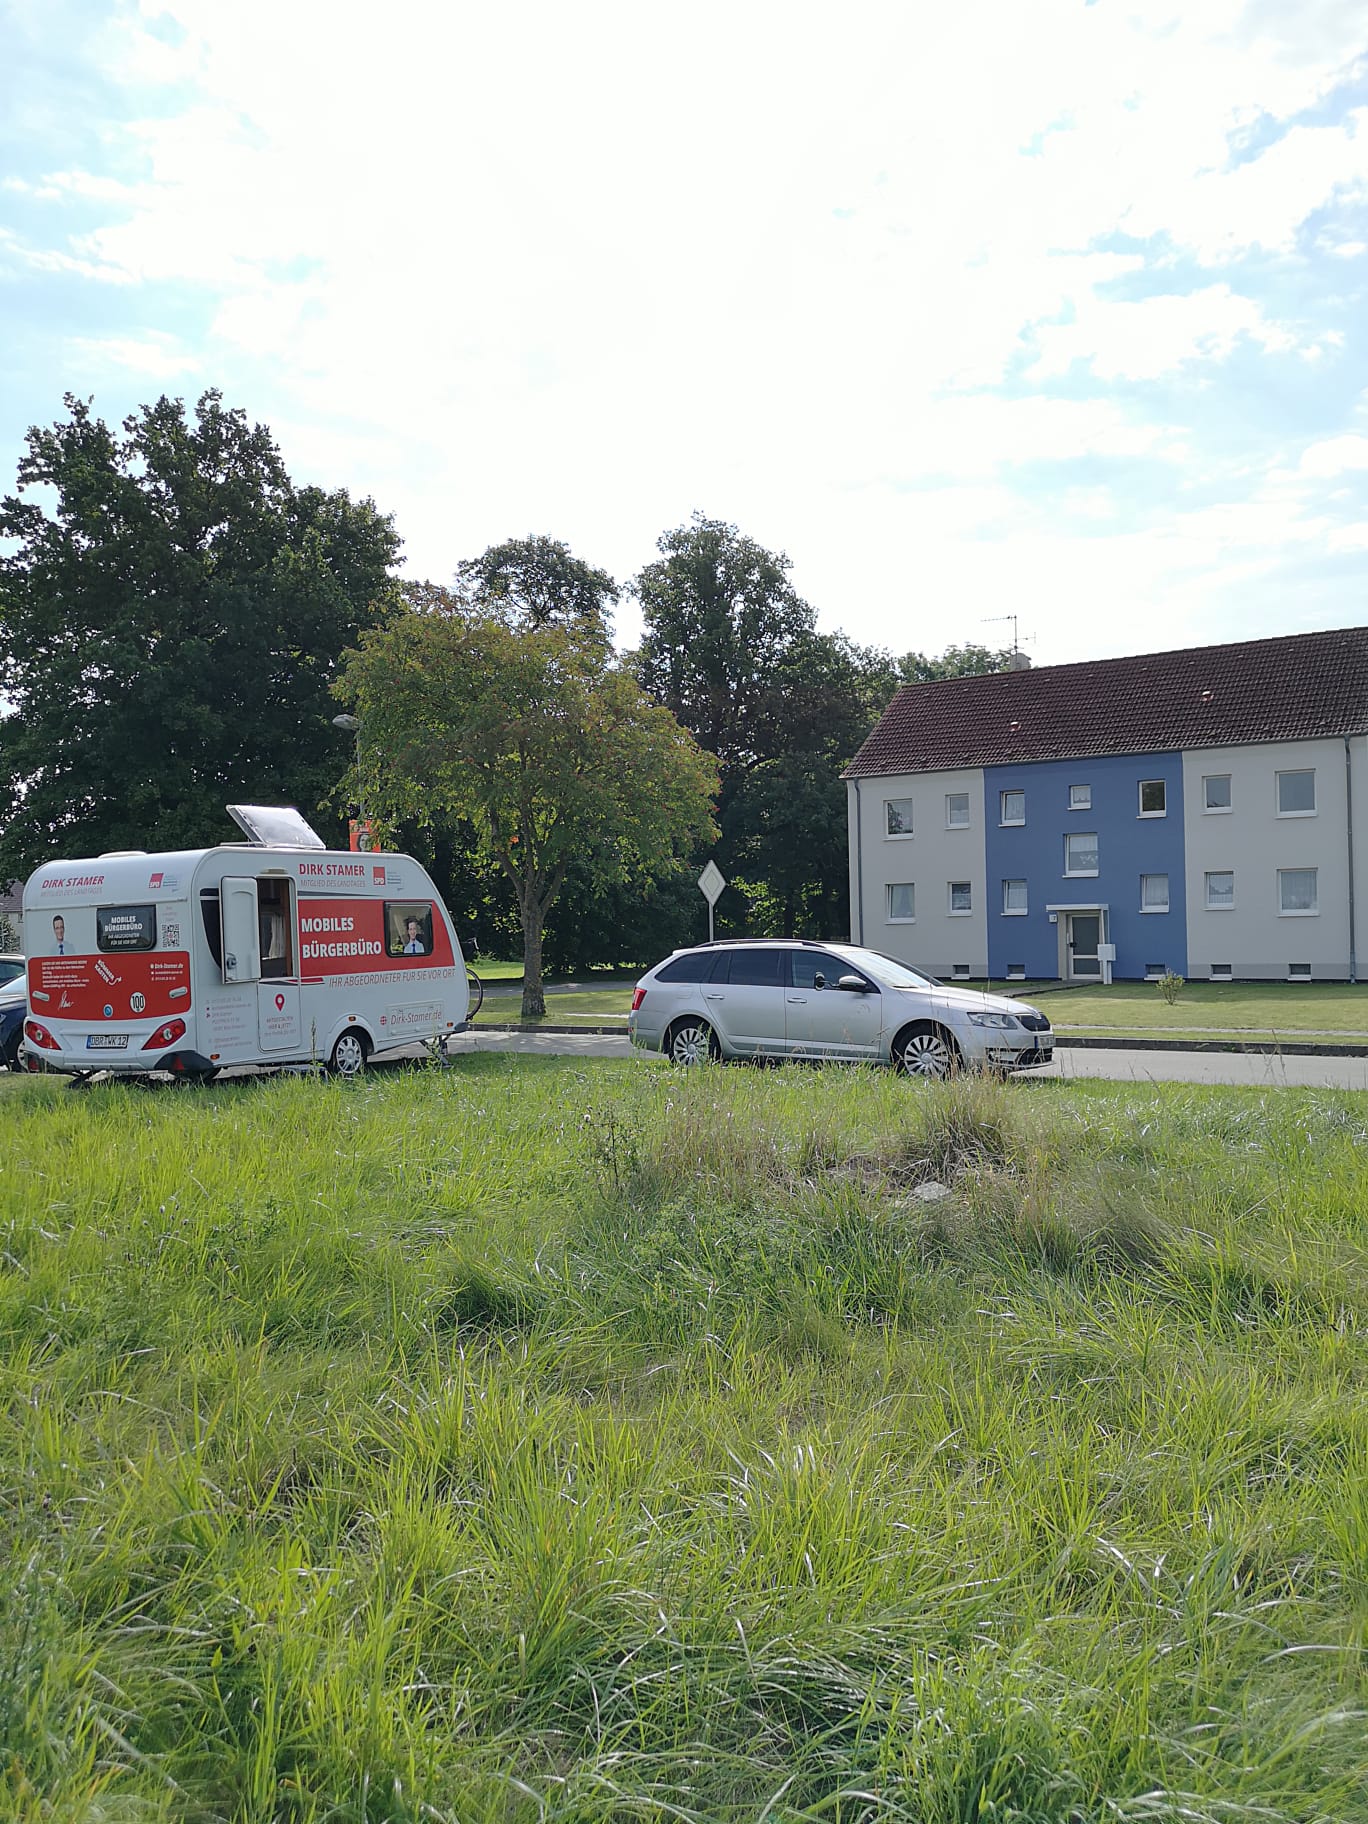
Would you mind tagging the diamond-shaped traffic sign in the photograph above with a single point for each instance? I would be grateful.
(711, 882)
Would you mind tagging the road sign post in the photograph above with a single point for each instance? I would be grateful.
(710, 884)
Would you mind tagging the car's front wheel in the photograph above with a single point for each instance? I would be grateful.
(926, 1051)
(691, 1041)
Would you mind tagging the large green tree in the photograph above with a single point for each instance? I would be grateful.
(172, 611)
(532, 733)
(732, 649)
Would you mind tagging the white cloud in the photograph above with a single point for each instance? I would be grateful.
(585, 269)
(1334, 456)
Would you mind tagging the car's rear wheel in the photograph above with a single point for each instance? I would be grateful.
(691, 1041)
(349, 1054)
(926, 1051)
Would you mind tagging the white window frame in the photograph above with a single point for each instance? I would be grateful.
(1140, 798)
(1167, 897)
(1081, 873)
(951, 909)
(950, 822)
(899, 918)
(1311, 911)
(1010, 911)
(1080, 804)
(1217, 810)
(1293, 772)
(1004, 821)
(1225, 905)
(898, 835)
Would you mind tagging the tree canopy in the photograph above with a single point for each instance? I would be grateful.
(532, 734)
(171, 617)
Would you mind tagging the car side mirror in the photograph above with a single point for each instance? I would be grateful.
(853, 984)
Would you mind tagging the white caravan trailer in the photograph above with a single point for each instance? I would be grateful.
(273, 951)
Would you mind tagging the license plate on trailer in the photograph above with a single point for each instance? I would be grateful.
(106, 1041)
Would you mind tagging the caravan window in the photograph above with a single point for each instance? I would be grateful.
(211, 915)
(126, 928)
(408, 928)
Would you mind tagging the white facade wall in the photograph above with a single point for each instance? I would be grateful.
(1252, 841)
(932, 858)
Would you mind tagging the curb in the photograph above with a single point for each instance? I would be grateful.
(1291, 1048)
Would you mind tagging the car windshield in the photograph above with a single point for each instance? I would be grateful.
(890, 971)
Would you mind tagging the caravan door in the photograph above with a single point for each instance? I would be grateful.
(260, 944)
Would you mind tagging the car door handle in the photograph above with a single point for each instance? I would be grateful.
(712, 997)
(797, 1000)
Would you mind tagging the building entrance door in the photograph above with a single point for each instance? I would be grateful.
(1084, 935)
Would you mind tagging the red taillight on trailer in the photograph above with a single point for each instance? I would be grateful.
(165, 1035)
(638, 998)
(40, 1036)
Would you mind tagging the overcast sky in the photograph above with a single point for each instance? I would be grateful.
(1024, 305)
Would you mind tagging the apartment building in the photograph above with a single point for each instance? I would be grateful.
(1203, 811)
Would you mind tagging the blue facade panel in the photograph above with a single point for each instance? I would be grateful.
(1129, 846)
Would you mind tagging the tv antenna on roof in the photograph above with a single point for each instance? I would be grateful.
(989, 620)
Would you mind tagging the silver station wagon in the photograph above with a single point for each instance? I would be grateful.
(795, 999)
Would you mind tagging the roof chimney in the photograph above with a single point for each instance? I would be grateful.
(1018, 660)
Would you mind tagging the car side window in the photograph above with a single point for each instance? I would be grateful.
(756, 968)
(693, 966)
(809, 964)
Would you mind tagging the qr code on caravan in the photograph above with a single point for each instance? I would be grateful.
(170, 937)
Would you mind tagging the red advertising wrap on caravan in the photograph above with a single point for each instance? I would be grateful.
(120, 986)
(345, 936)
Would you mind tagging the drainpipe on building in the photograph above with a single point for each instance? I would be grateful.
(1349, 847)
(859, 866)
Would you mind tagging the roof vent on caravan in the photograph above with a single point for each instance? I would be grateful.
(274, 826)
(114, 854)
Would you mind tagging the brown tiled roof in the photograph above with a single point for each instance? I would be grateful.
(1291, 689)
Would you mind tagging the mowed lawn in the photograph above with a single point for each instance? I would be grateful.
(1263, 1009)
(543, 1439)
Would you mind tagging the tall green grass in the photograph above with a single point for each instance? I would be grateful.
(541, 1440)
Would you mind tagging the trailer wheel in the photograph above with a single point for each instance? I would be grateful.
(349, 1054)
(475, 988)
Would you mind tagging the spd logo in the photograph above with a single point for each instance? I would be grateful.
(377, 877)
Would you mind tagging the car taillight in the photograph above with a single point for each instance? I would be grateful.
(165, 1035)
(638, 998)
(40, 1036)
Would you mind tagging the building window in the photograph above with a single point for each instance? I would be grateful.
(1014, 899)
(1221, 972)
(957, 810)
(1220, 891)
(1080, 854)
(1080, 797)
(1016, 972)
(1297, 793)
(961, 897)
(898, 816)
(1153, 798)
(1216, 792)
(1154, 893)
(1299, 972)
(902, 902)
(960, 972)
(1012, 807)
(1297, 892)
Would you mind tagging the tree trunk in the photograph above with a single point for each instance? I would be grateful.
(533, 1000)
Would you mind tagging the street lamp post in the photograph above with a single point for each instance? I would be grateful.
(352, 724)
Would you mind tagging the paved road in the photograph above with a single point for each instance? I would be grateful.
(1240, 1068)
